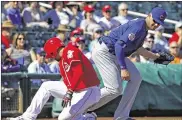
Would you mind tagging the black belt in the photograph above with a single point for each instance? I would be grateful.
(109, 47)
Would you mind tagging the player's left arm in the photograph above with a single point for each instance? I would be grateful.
(144, 52)
(76, 67)
(77, 71)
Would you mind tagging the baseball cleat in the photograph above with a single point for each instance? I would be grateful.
(119, 118)
(18, 118)
(130, 119)
(90, 116)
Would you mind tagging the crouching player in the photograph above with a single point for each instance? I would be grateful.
(79, 88)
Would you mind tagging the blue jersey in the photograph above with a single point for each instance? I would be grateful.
(126, 39)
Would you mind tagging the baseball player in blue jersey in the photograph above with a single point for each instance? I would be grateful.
(110, 56)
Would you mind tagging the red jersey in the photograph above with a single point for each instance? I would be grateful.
(76, 69)
(5, 41)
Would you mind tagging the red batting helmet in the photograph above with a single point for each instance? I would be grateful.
(51, 47)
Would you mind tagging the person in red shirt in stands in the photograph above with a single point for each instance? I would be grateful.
(79, 88)
(5, 35)
(175, 51)
(177, 36)
(78, 32)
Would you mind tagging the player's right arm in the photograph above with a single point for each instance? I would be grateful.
(127, 34)
(119, 50)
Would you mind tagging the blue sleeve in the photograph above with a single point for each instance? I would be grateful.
(19, 17)
(47, 15)
(128, 36)
(14, 16)
(27, 16)
(119, 50)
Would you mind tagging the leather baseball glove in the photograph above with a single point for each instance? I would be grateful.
(165, 58)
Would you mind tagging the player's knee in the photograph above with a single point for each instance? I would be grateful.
(63, 117)
(45, 84)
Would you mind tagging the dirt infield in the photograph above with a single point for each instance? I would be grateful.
(137, 118)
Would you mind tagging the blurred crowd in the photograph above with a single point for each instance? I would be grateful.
(27, 25)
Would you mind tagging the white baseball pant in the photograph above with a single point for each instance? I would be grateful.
(80, 102)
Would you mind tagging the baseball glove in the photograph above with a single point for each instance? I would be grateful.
(165, 58)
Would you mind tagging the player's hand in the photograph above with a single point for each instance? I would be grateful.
(125, 75)
(67, 98)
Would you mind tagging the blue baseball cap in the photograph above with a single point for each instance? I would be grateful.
(40, 51)
(159, 15)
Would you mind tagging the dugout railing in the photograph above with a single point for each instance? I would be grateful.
(16, 100)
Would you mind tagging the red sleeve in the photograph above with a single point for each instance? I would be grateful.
(73, 55)
(5, 41)
(74, 60)
(76, 67)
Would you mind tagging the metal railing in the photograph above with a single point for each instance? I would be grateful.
(21, 98)
(145, 15)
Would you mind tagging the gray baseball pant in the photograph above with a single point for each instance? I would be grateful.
(111, 75)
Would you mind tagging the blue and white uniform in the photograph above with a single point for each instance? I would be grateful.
(110, 56)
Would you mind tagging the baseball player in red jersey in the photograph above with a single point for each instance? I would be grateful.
(79, 88)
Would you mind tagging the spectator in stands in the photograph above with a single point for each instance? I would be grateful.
(106, 22)
(8, 64)
(75, 16)
(53, 65)
(148, 44)
(78, 32)
(122, 14)
(174, 50)
(56, 16)
(77, 39)
(96, 34)
(32, 15)
(7, 26)
(177, 35)
(160, 42)
(21, 5)
(3, 11)
(13, 13)
(39, 66)
(61, 32)
(88, 15)
(80, 42)
(89, 33)
(96, 17)
(3, 17)
(19, 51)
